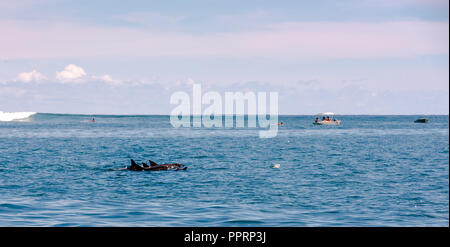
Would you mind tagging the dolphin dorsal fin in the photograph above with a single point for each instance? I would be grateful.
(152, 163)
(144, 165)
(135, 166)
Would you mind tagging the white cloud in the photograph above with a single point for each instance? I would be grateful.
(30, 76)
(107, 78)
(178, 84)
(71, 73)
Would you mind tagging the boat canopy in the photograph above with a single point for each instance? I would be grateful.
(325, 114)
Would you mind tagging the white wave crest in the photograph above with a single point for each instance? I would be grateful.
(11, 116)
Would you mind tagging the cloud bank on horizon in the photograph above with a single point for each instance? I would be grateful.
(360, 57)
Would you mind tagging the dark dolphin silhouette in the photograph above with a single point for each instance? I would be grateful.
(154, 166)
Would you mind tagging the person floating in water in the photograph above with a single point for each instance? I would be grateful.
(93, 120)
(281, 124)
(317, 120)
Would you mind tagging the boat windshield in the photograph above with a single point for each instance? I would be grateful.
(326, 114)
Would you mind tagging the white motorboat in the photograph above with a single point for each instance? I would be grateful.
(325, 119)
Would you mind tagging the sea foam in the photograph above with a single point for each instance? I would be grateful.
(11, 116)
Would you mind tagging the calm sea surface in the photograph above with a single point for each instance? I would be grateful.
(56, 170)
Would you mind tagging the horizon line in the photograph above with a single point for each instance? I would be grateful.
(192, 115)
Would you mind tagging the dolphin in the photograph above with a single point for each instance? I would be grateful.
(155, 166)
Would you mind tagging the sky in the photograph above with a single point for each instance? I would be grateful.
(129, 57)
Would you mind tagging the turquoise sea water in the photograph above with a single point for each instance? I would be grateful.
(56, 170)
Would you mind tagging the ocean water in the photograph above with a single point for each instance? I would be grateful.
(56, 170)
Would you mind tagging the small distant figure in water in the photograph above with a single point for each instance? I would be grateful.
(323, 118)
(317, 120)
(93, 120)
(328, 119)
(281, 124)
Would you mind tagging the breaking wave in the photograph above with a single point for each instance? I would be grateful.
(12, 116)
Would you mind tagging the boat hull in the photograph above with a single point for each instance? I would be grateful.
(337, 122)
(421, 120)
